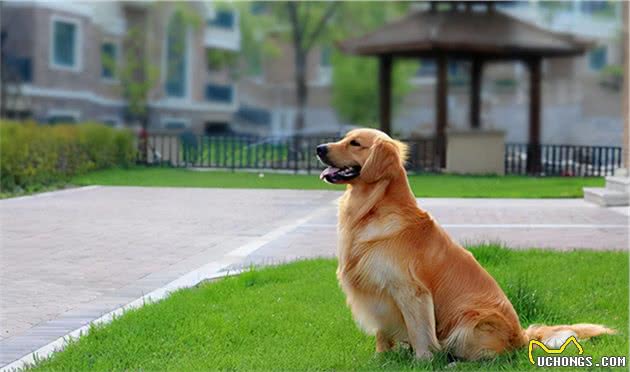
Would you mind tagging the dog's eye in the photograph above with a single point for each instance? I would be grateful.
(354, 143)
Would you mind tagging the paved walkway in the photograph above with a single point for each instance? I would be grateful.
(69, 257)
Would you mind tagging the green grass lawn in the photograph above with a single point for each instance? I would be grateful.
(293, 317)
(429, 185)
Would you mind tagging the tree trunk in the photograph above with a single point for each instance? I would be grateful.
(300, 89)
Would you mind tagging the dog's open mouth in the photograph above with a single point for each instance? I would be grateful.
(336, 175)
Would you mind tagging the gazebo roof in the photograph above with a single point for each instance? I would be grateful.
(491, 34)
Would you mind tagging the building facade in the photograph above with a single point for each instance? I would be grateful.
(55, 69)
(63, 62)
(581, 97)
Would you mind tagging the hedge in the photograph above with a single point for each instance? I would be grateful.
(33, 156)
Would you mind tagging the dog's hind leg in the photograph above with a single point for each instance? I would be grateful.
(416, 306)
(482, 338)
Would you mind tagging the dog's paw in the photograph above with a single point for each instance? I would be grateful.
(423, 355)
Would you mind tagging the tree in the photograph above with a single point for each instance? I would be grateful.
(355, 79)
(302, 23)
(355, 87)
(304, 38)
(308, 24)
(139, 74)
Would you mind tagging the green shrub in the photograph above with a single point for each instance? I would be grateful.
(32, 155)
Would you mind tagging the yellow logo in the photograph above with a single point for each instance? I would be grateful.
(553, 351)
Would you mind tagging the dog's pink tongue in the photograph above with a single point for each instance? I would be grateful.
(327, 171)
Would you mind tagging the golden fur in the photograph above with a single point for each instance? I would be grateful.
(405, 279)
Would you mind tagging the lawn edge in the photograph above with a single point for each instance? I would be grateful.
(65, 189)
(154, 296)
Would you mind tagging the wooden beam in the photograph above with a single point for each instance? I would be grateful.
(533, 151)
(441, 114)
(475, 93)
(385, 92)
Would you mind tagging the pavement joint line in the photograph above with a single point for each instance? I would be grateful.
(212, 270)
(537, 226)
(247, 249)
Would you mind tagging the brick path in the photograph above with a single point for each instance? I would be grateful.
(68, 257)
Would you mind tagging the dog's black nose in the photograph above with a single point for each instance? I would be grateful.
(322, 150)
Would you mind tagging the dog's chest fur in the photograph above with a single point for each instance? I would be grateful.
(363, 248)
(366, 270)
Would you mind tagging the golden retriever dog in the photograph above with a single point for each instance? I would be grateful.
(405, 279)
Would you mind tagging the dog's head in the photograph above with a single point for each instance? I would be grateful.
(363, 155)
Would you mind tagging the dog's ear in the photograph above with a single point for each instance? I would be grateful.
(386, 159)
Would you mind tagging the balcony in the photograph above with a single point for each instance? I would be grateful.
(220, 94)
(223, 31)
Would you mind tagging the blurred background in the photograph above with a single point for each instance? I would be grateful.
(526, 87)
(215, 68)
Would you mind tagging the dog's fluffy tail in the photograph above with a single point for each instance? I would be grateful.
(555, 336)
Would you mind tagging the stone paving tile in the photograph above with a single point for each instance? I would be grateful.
(68, 258)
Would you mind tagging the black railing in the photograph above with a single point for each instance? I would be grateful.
(298, 154)
(295, 153)
(561, 160)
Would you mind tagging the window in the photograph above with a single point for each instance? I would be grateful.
(223, 19)
(65, 44)
(110, 121)
(591, 7)
(109, 56)
(176, 57)
(175, 124)
(325, 56)
(62, 117)
(219, 93)
(254, 62)
(258, 7)
(597, 58)
(62, 120)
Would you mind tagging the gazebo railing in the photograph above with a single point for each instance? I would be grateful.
(561, 160)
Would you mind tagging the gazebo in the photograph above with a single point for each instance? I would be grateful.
(469, 31)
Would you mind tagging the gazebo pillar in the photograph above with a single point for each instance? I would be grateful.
(475, 93)
(441, 114)
(385, 91)
(533, 148)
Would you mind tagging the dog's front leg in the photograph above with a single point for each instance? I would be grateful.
(416, 306)
(384, 342)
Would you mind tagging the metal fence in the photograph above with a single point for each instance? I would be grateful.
(561, 160)
(295, 153)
